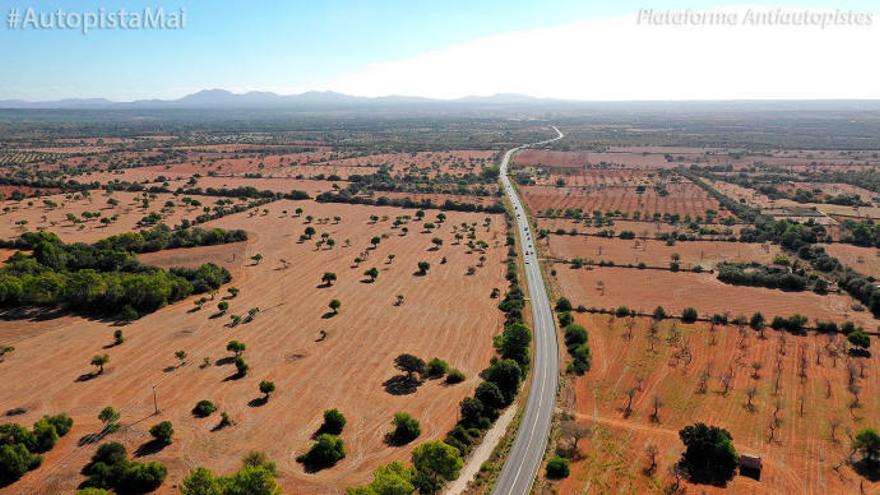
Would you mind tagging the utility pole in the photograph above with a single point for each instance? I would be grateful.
(155, 401)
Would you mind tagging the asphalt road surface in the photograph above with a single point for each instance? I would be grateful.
(524, 458)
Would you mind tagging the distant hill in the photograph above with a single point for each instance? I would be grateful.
(210, 99)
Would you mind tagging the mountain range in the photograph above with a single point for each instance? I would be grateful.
(313, 101)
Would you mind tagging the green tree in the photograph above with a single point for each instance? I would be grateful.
(372, 273)
(557, 468)
(222, 306)
(689, 315)
(867, 444)
(423, 266)
(410, 365)
(334, 305)
(334, 422)
(709, 456)
(435, 462)
(325, 452)
(99, 361)
(328, 278)
(266, 388)
(394, 478)
(163, 432)
(109, 417)
(406, 429)
(236, 347)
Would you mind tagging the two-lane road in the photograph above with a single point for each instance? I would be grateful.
(524, 458)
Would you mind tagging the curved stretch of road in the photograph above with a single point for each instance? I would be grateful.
(524, 458)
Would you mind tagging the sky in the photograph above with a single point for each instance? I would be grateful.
(575, 49)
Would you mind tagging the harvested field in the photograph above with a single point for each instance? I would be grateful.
(799, 459)
(683, 199)
(129, 213)
(642, 229)
(646, 289)
(706, 254)
(446, 314)
(428, 163)
(864, 260)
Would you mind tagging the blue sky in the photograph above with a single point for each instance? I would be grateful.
(285, 47)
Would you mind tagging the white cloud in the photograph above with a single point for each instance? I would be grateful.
(617, 59)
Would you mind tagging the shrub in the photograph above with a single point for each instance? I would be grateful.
(406, 429)
(325, 452)
(436, 368)
(565, 319)
(15, 461)
(689, 315)
(204, 408)
(563, 305)
(557, 468)
(334, 422)
(163, 432)
(454, 376)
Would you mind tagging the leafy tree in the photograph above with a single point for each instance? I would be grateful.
(334, 305)
(660, 313)
(436, 368)
(256, 477)
(181, 357)
(424, 266)
(557, 468)
(454, 376)
(410, 365)
(162, 432)
(118, 338)
(372, 273)
(689, 315)
(757, 322)
(406, 429)
(709, 456)
(109, 417)
(506, 374)
(233, 291)
(309, 232)
(334, 422)
(859, 339)
(375, 241)
(15, 461)
(328, 278)
(394, 478)
(437, 242)
(222, 306)
(204, 408)
(513, 343)
(435, 462)
(236, 347)
(257, 258)
(99, 361)
(325, 452)
(563, 305)
(867, 443)
(266, 388)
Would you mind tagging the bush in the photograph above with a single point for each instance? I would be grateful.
(563, 305)
(436, 368)
(204, 408)
(15, 461)
(406, 429)
(565, 319)
(454, 376)
(111, 469)
(334, 422)
(325, 452)
(557, 468)
(162, 432)
(709, 456)
(689, 315)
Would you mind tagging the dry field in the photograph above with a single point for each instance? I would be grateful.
(657, 253)
(129, 210)
(646, 289)
(864, 260)
(429, 163)
(446, 314)
(600, 178)
(799, 459)
(643, 229)
(683, 199)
